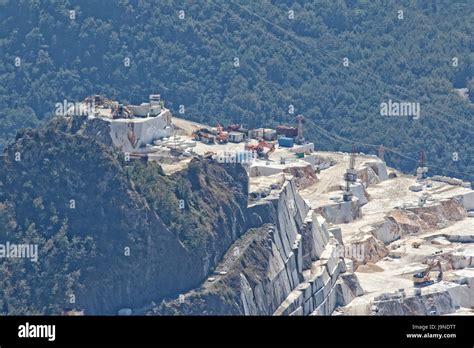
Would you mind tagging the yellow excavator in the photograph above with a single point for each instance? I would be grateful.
(424, 278)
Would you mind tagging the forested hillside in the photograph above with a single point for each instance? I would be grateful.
(247, 62)
(110, 232)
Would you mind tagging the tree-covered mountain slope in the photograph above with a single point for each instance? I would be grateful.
(109, 233)
(247, 62)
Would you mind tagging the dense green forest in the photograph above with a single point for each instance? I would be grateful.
(248, 61)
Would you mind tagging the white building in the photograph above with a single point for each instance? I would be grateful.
(152, 108)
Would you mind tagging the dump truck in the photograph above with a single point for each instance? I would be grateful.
(233, 127)
(289, 132)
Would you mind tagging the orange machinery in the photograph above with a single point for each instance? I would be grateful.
(260, 147)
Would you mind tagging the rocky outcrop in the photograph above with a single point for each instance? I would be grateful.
(468, 201)
(323, 162)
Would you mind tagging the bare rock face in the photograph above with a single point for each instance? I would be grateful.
(314, 238)
(426, 218)
(347, 289)
(371, 249)
(372, 172)
(304, 176)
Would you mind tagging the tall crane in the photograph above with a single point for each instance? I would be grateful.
(350, 176)
(300, 137)
(381, 153)
(422, 170)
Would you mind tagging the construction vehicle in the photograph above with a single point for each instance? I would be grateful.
(422, 170)
(260, 147)
(424, 278)
(204, 135)
(289, 132)
(350, 177)
(233, 127)
(121, 111)
(299, 139)
(222, 137)
(97, 100)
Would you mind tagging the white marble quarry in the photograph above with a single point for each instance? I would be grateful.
(379, 168)
(323, 289)
(341, 212)
(320, 235)
(288, 288)
(387, 231)
(358, 191)
(461, 259)
(468, 201)
(441, 299)
(286, 261)
(260, 168)
(337, 233)
(464, 295)
(256, 169)
(131, 135)
(311, 159)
